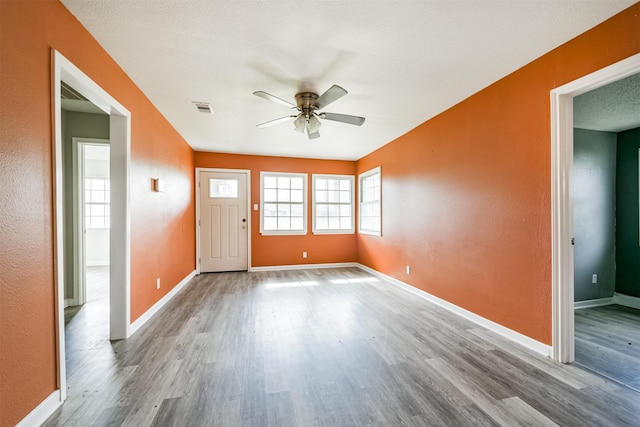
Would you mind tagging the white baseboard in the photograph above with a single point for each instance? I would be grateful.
(619, 299)
(593, 303)
(626, 300)
(305, 266)
(43, 411)
(517, 337)
(137, 324)
(68, 302)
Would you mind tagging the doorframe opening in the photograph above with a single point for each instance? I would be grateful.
(563, 327)
(79, 236)
(249, 211)
(120, 236)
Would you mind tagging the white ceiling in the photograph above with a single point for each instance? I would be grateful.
(611, 108)
(402, 62)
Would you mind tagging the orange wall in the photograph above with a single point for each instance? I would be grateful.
(287, 250)
(467, 194)
(162, 224)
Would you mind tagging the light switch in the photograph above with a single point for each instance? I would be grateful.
(158, 185)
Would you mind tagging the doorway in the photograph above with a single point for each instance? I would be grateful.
(605, 191)
(563, 327)
(223, 221)
(87, 216)
(119, 233)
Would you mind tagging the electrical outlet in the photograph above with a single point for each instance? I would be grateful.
(304, 254)
(408, 269)
(594, 279)
(158, 283)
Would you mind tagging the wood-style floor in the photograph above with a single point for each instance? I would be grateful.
(335, 347)
(87, 326)
(608, 342)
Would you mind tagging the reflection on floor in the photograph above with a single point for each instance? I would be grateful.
(87, 326)
(608, 342)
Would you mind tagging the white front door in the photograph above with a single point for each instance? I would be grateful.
(223, 221)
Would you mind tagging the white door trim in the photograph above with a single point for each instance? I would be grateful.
(249, 211)
(563, 341)
(120, 137)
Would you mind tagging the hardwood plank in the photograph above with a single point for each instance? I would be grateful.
(608, 342)
(322, 347)
(525, 415)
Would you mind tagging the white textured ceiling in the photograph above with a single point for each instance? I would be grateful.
(402, 62)
(611, 108)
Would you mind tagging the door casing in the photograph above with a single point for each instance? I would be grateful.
(563, 327)
(120, 236)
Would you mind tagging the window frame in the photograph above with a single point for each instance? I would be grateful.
(352, 204)
(377, 170)
(305, 204)
(88, 216)
(233, 196)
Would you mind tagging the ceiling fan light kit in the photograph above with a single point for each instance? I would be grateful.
(308, 104)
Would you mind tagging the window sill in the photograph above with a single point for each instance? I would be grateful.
(370, 233)
(283, 233)
(330, 232)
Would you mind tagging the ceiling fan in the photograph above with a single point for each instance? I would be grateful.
(308, 104)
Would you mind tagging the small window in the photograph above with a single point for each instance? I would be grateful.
(223, 188)
(96, 203)
(333, 204)
(370, 206)
(284, 203)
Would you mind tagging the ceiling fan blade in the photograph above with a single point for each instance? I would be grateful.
(335, 92)
(344, 118)
(275, 99)
(275, 121)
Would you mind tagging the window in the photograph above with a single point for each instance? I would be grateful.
(223, 188)
(96, 203)
(284, 203)
(370, 208)
(333, 200)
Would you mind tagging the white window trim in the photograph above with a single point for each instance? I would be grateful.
(376, 170)
(352, 230)
(305, 205)
(87, 204)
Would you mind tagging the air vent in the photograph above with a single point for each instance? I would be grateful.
(67, 92)
(203, 107)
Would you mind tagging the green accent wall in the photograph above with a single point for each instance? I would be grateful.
(594, 201)
(627, 245)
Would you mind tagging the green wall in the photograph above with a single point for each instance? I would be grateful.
(594, 202)
(627, 244)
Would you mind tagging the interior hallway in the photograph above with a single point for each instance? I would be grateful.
(326, 347)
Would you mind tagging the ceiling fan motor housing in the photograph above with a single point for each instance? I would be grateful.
(306, 102)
